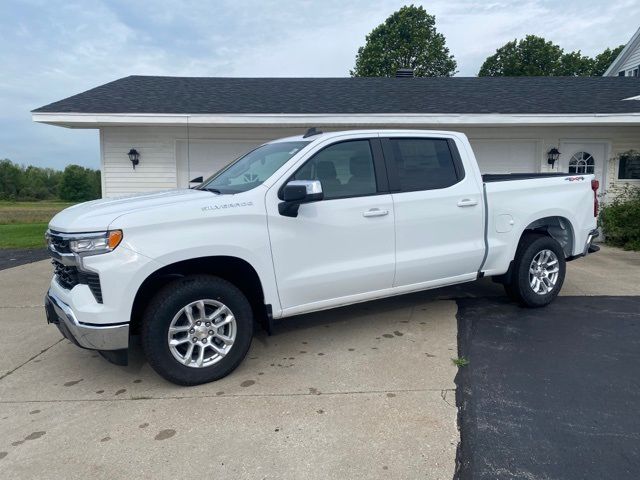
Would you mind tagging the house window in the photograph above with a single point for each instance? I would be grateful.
(629, 166)
(635, 72)
(621, 73)
(582, 162)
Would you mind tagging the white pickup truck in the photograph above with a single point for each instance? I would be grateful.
(304, 224)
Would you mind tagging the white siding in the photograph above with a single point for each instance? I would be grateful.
(158, 167)
(632, 62)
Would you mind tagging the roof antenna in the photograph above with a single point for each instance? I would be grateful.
(311, 132)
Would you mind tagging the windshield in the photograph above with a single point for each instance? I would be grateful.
(254, 168)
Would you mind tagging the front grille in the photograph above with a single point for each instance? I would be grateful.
(69, 276)
(58, 242)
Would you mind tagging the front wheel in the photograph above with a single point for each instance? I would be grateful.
(538, 271)
(197, 329)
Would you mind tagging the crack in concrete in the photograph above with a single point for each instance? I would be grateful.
(231, 395)
(443, 395)
(6, 374)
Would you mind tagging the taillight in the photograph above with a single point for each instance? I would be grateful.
(595, 184)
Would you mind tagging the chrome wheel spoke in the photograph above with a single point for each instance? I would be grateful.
(216, 313)
(220, 351)
(201, 312)
(187, 357)
(225, 339)
(227, 320)
(180, 329)
(188, 311)
(200, 359)
(178, 341)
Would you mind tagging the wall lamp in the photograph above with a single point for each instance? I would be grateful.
(552, 156)
(134, 156)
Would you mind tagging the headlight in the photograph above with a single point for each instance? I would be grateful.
(96, 243)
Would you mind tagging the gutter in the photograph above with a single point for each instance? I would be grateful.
(95, 120)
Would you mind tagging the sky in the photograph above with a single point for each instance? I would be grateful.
(54, 49)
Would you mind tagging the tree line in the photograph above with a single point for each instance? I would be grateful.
(409, 39)
(73, 184)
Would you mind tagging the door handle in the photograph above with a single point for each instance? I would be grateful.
(467, 202)
(375, 212)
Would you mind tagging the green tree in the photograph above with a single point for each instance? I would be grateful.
(10, 180)
(604, 60)
(575, 64)
(532, 56)
(535, 56)
(407, 39)
(78, 184)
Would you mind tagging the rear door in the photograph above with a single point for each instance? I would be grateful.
(438, 209)
(342, 246)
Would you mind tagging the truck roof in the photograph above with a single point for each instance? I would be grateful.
(325, 135)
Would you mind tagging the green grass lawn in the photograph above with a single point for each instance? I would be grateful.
(22, 235)
(22, 224)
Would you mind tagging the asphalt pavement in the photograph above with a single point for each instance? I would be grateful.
(550, 393)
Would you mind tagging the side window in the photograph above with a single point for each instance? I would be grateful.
(344, 169)
(423, 163)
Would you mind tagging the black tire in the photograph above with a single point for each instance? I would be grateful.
(164, 306)
(519, 288)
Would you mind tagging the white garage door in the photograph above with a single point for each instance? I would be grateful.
(205, 157)
(512, 156)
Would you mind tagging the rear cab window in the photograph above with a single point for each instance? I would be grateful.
(422, 163)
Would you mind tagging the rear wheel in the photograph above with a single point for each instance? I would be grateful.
(197, 329)
(538, 271)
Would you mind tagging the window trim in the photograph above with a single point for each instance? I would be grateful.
(623, 180)
(392, 171)
(379, 169)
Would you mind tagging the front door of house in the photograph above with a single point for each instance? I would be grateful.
(584, 157)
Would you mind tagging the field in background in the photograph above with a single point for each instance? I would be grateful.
(22, 224)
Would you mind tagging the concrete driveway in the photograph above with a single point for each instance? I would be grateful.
(361, 392)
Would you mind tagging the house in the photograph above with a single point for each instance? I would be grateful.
(186, 127)
(627, 63)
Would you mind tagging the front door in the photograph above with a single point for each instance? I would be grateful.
(341, 247)
(584, 158)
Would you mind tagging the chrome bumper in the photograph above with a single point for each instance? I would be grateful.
(94, 337)
(589, 247)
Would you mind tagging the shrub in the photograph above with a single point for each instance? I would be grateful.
(620, 220)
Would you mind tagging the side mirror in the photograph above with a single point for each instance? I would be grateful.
(297, 192)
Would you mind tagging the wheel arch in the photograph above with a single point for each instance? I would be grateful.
(557, 227)
(233, 269)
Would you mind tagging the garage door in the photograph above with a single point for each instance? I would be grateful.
(513, 156)
(207, 157)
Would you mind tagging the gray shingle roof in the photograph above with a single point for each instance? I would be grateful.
(473, 95)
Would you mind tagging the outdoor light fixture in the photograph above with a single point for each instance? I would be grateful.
(134, 156)
(552, 156)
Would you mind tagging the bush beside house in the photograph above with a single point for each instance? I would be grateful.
(620, 220)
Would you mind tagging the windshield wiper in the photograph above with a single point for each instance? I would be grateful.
(213, 190)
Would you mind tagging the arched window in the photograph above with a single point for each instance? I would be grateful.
(582, 162)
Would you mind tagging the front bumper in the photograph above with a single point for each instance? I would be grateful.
(91, 336)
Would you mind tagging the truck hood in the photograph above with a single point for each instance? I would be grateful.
(99, 214)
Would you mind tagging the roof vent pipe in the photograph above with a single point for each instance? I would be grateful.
(404, 73)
